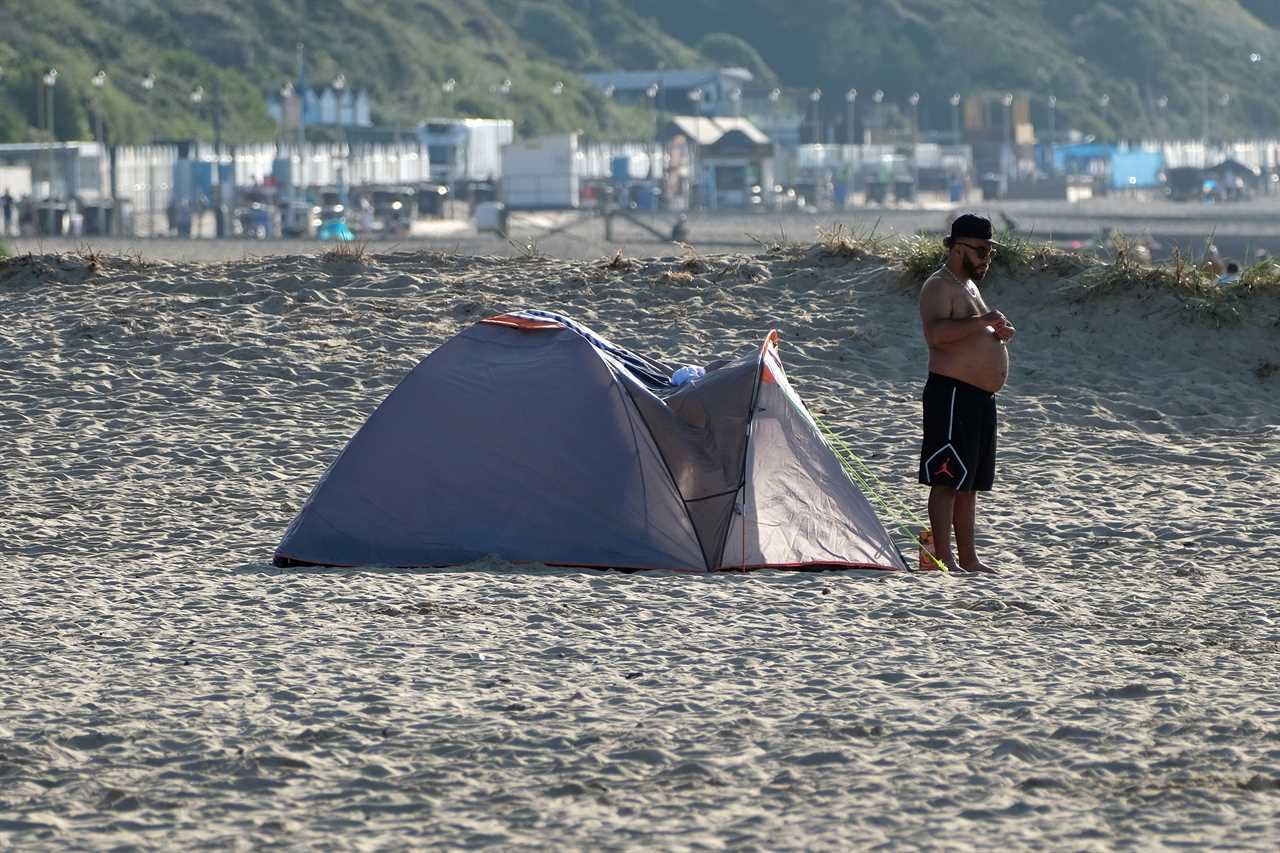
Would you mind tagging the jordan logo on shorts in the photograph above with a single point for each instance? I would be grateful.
(944, 470)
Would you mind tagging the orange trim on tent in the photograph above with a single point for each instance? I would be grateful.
(522, 323)
(770, 342)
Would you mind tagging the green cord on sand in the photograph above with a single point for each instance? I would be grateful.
(874, 488)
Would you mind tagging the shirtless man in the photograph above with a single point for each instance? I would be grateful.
(968, 364)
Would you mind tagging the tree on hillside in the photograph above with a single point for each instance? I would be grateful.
(1125, 42)
(555, 32)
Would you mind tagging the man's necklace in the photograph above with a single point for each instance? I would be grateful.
(967, 286)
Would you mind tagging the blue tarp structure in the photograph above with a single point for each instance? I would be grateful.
(1082, 159)
(1130, 169)
(1124, 168)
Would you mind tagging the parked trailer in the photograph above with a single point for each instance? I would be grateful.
(465, 149)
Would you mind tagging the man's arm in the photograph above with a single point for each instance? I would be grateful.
(940, 328)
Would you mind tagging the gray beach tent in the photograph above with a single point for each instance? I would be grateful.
(531, 438)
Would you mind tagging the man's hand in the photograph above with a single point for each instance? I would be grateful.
(1001, 328)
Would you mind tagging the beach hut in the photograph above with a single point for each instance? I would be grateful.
(1234, 180)
(529, 437)
(731, 160)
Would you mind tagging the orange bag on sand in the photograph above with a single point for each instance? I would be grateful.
(927, 560)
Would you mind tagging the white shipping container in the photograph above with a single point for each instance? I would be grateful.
(542, 173)
(15, 179)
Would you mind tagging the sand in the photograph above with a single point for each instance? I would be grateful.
(164, 687)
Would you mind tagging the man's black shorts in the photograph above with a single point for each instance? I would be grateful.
(959, 447)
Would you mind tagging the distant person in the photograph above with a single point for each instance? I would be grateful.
(680, 230)
(840, 187)
(6, 202)
(968, 364)
(1213, 261)
(1231, 275)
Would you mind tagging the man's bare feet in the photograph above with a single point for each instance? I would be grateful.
(948, 563)
(978, 566)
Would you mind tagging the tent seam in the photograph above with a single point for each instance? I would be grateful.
(684, 505)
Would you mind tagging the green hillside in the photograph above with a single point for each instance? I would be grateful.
(1135, 52)
(400, 50)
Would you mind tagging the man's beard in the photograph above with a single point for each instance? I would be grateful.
(974, 271)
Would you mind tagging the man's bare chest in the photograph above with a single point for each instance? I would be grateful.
(967, 301)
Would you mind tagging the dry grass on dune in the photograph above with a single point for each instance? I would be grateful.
(1078, 276)
(1124, 271)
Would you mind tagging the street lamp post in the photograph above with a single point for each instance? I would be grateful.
(815, 98)
(1103, 103)
(300, 218)
(651, 92)
(504, 90)
(608, 91)
(50, 79)
(850, 114)
(1053, 133)
(1008, 135)
(447, 88)
(955, 100)
(914, 101)
(99, 80)
(287, 105)
(877, 97)
(197, 98)
(735, 98)
(695, 95)
(340, 87)
(149, 83)
(1204, 110)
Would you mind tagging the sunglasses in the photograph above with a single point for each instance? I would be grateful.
(980, 252)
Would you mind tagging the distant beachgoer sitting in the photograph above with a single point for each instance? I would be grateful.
(680, 230)
(1232, 274)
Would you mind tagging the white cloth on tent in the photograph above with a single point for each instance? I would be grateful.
(688, 373)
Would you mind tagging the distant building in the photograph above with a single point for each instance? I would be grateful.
(709, 92)
(328, 106)
(730, 160)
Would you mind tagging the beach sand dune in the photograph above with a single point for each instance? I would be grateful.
(163, 686)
